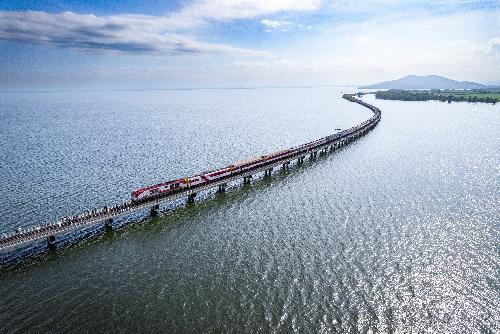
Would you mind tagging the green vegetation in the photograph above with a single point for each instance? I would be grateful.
(443, 95)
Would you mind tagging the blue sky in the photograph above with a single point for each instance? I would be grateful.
(68, 44)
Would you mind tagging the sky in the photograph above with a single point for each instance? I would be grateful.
(151, 44)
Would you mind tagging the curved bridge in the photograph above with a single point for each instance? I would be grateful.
(107, 214)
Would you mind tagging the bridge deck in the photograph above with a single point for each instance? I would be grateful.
(105, 214)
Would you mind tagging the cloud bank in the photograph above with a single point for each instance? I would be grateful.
(140, 33)
(127, 33)
(316, 43)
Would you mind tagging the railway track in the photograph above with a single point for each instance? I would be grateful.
(108, 214)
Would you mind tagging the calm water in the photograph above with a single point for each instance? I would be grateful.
(397, 232)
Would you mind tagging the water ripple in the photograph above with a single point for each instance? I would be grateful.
(397, 232)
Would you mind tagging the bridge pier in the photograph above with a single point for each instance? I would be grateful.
(109, 224)
(268, 172)
(191, 198)
(154, 210)
(286, 165)
(300, 160)
(222, 188)
(51, 242)
(313, 155)
(247, 179)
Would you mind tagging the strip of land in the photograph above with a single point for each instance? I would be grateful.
(443, 95)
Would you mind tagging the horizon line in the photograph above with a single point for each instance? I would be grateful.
(162, 89)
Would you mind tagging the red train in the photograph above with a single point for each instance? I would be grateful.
(174, 186)
(170, 187)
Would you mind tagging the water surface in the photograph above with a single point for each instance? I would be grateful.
(397, 232)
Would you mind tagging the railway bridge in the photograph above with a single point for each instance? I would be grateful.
(107, 214)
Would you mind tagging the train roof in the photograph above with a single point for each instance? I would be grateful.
(247, 161)
(244, 162)
(278, 152)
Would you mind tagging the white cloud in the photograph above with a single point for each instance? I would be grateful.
(274, 24)
(124, 33)
(493, 47)
(139, 33)
(243, 9)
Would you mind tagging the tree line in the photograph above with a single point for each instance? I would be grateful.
(412, 95)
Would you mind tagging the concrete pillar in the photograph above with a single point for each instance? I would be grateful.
(222, 188)
(154, 210)
(191, 198)
(268, 172)
(109, 224)
(51, 242)
(247, 179)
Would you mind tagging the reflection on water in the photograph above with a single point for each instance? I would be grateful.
(397, 232)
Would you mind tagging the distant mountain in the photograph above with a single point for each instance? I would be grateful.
(424, 82)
